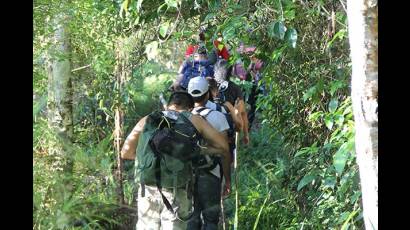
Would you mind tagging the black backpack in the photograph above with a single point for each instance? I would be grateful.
(173, 138)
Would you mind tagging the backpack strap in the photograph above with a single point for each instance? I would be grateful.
(188, 122)
(203, 111)
(159, 186)
(218, 107)
(222, 96)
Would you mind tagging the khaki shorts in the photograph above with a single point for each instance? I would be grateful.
(154, 215)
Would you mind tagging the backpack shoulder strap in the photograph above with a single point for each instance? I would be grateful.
(218, 107)
(202, 111)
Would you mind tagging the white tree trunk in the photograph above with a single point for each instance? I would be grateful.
(363, 37)
(59, 104)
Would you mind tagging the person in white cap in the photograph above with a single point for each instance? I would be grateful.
(207, 197)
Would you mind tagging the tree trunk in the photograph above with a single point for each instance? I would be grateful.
(363, 37)
(59, 103)
(122, 72)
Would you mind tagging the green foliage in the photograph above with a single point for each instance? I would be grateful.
(342, 156)
(299, 170)
(306, 180)
(307, 105)
(164, 28)
(84, 197)
(282, 190)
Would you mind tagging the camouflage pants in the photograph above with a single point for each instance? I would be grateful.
(153, 214)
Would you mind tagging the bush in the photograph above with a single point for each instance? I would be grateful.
(284, 189)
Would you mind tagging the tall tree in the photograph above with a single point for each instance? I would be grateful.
(122, 73)
(59, 104)
(363, 37)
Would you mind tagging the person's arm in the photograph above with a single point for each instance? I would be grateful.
(244, 115)
(128, 151)
(217, 143)
(225, 161)
(236, 116)
(211, 135)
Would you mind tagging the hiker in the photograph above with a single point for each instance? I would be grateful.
(238, 68)
(208, 180)
(218, 51)
(195, 44)
(254, 71)
(198, 65)
(223, 106)
(229, 91)
(231, 113)
(164, 167)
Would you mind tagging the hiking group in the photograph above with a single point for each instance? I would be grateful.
(184, 154)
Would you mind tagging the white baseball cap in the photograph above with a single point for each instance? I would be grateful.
(197, 86)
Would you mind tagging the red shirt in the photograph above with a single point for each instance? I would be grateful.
(190, 50)
(223, 52)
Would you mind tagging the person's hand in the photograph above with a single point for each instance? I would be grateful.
(227, 189)
(245, 139)
(229, 106)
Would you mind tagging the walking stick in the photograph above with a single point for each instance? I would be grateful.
(235, 166)
(223, 214)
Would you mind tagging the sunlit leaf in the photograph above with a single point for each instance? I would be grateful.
(289, 14)
(209, 17)
(340, 158)
(172, 3)
(306, 180)
(346, 224)
(335, 85)
(339, 119)
(276, 54)
(125, 5)
(229, 33)
(164, 28)
(309, 93)
(315, 116)
(329, 122)
(333, 105)
(330, 182)
(301, 152)
(152, 50)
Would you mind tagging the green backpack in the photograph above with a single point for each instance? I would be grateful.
(166, 149)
